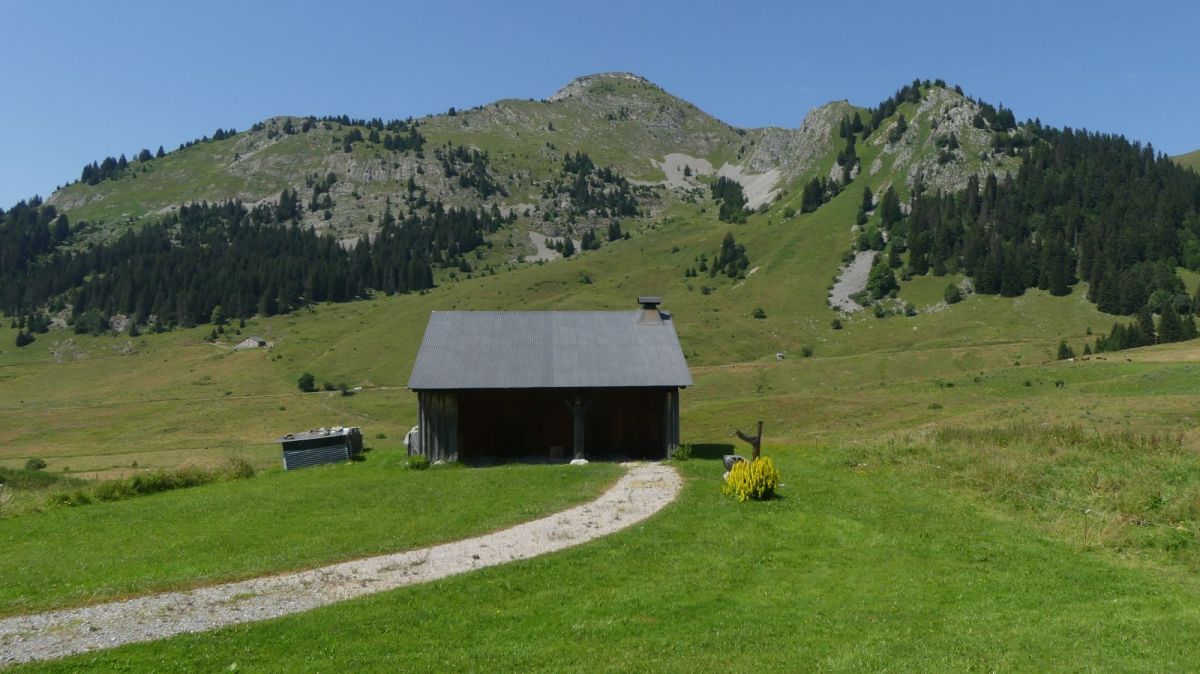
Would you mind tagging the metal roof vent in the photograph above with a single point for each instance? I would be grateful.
(650, 313)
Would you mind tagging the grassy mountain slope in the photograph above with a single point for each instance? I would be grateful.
(109, 394)
(620, 120)
(110, 386)
(1191, 159)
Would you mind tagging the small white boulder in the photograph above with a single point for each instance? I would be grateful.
(579, 462)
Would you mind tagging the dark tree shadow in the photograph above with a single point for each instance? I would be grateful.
(712, 450)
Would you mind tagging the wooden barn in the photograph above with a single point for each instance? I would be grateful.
(572, 384)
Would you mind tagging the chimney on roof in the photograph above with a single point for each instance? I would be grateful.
(650, 312)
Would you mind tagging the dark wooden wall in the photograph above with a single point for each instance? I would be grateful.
(514, 423)
(438, 420)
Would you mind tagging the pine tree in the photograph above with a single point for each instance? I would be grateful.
(1189, 326)
(1170, 328)
(881, 280)
(1065, 352)
(1144, 334)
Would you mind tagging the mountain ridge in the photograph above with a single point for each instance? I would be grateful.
(620, 119)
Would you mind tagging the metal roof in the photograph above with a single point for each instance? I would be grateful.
(548, 349)
(336, 432)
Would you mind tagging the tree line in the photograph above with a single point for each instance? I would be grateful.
(247, 261)
(732, 199)
(113, 167)
(1082, 206)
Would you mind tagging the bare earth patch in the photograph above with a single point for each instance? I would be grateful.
(644, 490)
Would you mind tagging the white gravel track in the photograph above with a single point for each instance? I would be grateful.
(641, 492)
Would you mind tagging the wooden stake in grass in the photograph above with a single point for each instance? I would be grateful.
(754, 440)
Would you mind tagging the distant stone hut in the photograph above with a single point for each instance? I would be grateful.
(556, 384)
(250, 343)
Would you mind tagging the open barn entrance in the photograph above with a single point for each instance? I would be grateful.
(519, 423)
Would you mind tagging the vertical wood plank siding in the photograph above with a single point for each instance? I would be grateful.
(439, 424)
(671, 428)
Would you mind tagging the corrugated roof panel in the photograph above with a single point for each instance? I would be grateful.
(547, 349)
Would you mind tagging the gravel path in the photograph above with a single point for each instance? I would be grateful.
(644, 490)
(852, 281)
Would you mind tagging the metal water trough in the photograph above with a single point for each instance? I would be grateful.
(311, 448)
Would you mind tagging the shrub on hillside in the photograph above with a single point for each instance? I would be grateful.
(952, 295)
(755, 480)
(158, 481)
(307, 382)
(35, 464)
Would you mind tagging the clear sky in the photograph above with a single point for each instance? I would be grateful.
(82, 80)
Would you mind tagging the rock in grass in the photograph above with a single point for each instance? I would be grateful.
(579, 462)
(730, 459)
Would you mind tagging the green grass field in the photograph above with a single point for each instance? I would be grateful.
(268, 524)
(851, 570)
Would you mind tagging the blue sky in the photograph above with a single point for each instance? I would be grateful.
(80, 81)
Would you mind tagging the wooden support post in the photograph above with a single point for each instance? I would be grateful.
(754, 440)
(579, 407)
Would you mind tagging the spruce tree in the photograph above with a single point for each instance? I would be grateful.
(1065, 352)
(1170, 328)
(1144, 334)
(881, 280)
(1189, 326)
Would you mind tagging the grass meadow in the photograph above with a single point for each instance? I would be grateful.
(269, 524)
(853, 569)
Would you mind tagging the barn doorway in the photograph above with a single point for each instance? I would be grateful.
(514, 424)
